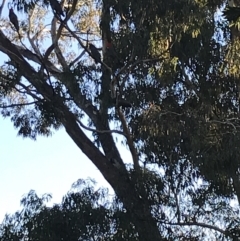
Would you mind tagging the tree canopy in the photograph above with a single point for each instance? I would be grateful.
(166, 83)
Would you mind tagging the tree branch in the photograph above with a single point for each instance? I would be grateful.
(129, 140)
(204, 225)
(55, 42)
(31, 41)
(55, 37)
(68, 119)
(85, 47)
(16, 105)
(31, 56)
(100, 131)
(127, 69)
(76, 60)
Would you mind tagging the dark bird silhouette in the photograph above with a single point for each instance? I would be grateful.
(95, 53)
(13, 19)
(232, 13)
(111, 56)
(56, 7)
(122, 103)
(111, 52)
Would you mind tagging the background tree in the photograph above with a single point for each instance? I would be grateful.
(89, 214)
(177, 68)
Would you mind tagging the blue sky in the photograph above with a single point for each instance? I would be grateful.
(48, 165)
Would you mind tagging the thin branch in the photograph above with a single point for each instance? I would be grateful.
(79, 57)
(36, 49)
(129, 139)
(224, 123)
(29, 92)
(40, 31)
(177, 203)
(21, 91)
(16, 105)
(31, 40)
(85, 47)
(31, 56)
(204, 225)
(55, 42)
(128, 69)
(100, 131)
(55, 37)
(139, 27)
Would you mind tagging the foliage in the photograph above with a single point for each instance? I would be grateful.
(176, 63)
(89, 214)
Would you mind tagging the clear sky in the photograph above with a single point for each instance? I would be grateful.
(48, 165)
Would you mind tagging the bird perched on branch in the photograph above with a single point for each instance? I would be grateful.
(56, 7)
(111, 52)
(13, 19)
(95, 53)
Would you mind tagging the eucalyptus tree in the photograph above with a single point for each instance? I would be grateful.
(166, 82)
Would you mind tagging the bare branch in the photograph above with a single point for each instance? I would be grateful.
(139, 27)
(79, 57)
(16, 105)
(128, 69)
(55, 42)
(30, 92)
(100, 131)
(204, 225)
(31, 56)
(85, 47)
(56, 36)
(31, 41)
(129, 139)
